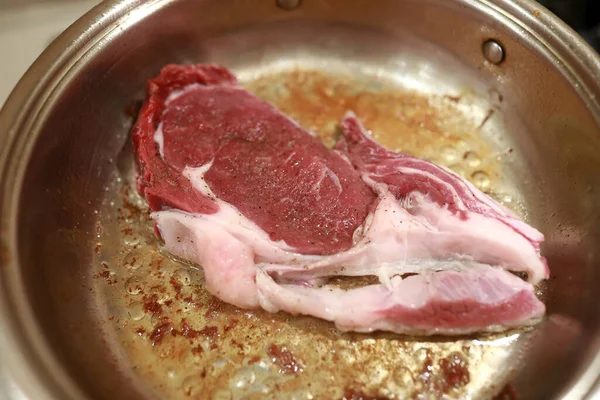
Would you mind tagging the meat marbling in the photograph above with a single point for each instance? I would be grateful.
(269, 213)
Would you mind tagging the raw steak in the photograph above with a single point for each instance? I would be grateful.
(270, 213)
(274, 173)
(425, 189)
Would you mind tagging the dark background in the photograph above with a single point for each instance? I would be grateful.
(582, 15)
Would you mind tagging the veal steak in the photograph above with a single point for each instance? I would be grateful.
(270, 214)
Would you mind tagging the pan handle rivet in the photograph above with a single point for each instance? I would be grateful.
(493, 51)
(288, 4)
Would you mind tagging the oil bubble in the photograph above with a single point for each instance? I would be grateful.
(162, 297)
(402, 377)
(244, 377)
(472, 159)
(136, 311)
(172, 374)
(133, 286)
(481, 180)
(448, 155)
(132, 241)
(191, 385)
(506, 199)
(422, 354)
(133, 260)
(182, 276)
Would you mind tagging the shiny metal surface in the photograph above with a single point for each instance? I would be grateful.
(493, 51)
(288, 4)
(64, 126)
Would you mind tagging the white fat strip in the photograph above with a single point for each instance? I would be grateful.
(229, 220)
(335, 179)
(412, 171)
(159, 139)
(385, 271)
(196, 177)
(384, 276)
(327, 172)
(227, 212)
(504, 214)
(287, 160)
(177, 93)
(361, 309)
(479, 195)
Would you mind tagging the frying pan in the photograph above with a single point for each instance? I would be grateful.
(91, 307)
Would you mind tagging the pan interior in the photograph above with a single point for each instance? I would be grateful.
(102, 288)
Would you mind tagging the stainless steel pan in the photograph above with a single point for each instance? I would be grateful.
(90, 305)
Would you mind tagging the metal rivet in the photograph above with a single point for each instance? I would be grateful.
(288, 4)
(493, 51)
